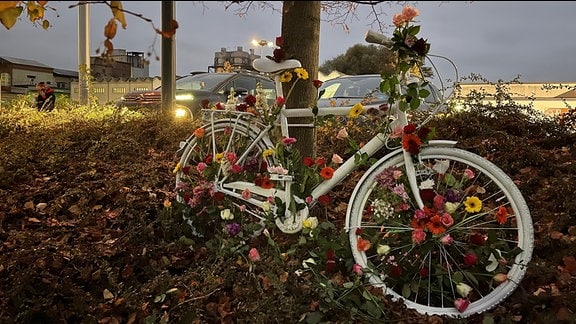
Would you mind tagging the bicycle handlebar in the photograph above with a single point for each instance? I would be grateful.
(377, 38)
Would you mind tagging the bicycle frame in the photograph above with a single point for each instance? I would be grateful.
(370, 148)
(243, 123)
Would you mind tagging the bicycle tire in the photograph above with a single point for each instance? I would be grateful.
(433, 291)
(230, 136)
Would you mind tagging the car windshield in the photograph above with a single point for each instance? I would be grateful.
(351, 87)
(203, 81)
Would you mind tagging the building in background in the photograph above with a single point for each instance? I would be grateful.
(127, 71)
(550, 98)
(225, 61)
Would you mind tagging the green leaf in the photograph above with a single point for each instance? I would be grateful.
(450, 180)
(348, 285)
(406, 291)
(372, 308)
(313, 318)
(458, 277)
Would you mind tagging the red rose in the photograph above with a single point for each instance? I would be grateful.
(409, 129)
(317, 83)
(423, 132)
(470, 259)
(427, 194)
(308, 161)
(424, 272)
(279, 55)
(421, 47)
(477, 239)
(396, 271)
(324, 200)
(250, 100)
(330, 261)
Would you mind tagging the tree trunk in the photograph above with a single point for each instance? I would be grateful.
(301, 34)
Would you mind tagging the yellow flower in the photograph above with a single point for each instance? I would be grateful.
(286, 76)
(356, 111)
(268, 152)
(473, 204)
(167, 203)
(177, 168)
(218, 158)
(301, 73)
(310, 222)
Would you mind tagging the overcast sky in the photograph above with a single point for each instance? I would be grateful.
(499, 40)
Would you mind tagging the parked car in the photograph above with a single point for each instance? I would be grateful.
(348, 90)
(193, 90)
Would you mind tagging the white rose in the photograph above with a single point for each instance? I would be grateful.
(383, 249)
(266, 206)
(463, 289)
(451, 207)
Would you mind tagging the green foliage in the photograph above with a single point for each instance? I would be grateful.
(360, 59)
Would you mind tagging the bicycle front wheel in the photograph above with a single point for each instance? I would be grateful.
(462, 253)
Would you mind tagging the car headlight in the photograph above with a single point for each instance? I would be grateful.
(183, 97)
(181, 112)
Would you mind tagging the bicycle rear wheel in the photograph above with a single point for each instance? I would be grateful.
(463, 253)
(226, 151)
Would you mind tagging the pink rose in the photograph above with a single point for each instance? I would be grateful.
(342, 133)
(419, 214)
(418, 236)
(288, 141)
(201, 166)
(446, 220)
(461, 304)
(439, 202)
(446, 239)
(337, 159)
(254, 255)
(357, 269)
(246, 194)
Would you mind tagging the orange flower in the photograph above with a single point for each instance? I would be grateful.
(411, 143)
(363, 245)
(435, 225)
(418, 223)
(199, 132)
(267, 183)
(502, 215)
(327, 173)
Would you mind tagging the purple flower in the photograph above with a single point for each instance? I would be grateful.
(233, 229)
(452, 196)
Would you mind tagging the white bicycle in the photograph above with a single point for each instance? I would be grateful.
(445, 231)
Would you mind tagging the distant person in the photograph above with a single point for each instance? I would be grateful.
(46, 97)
